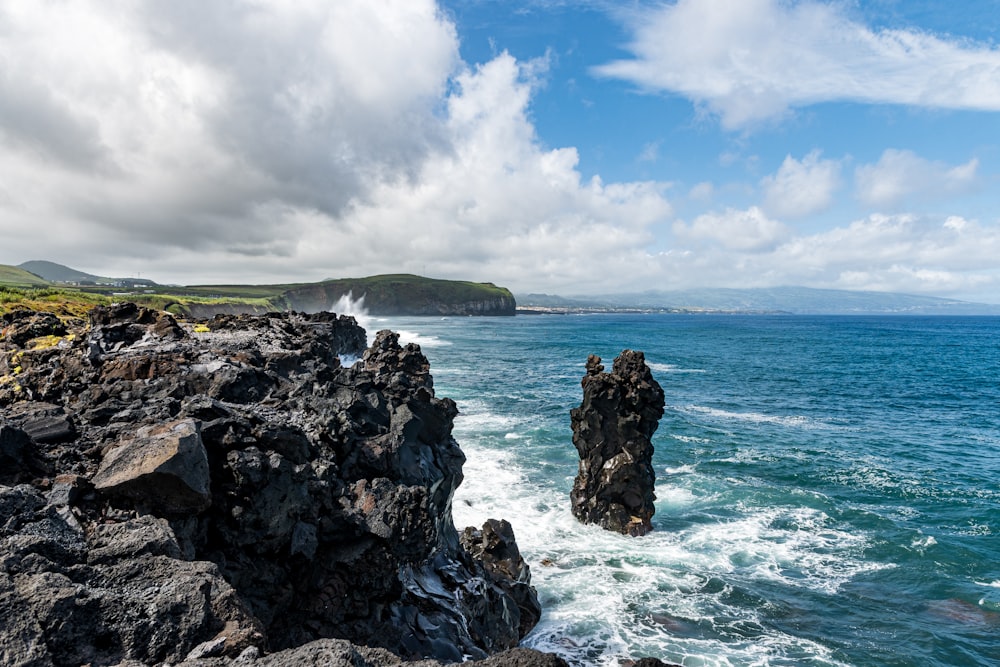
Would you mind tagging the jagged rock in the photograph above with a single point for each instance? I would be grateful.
(254, 493)
(15, 449)
(495, 547)
(119, 594)
(45, 423)
(648, 662)
(340, 653)
(164, 467)
(612, 429)
(21, 326)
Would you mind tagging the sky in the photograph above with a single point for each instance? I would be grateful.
(557, 146)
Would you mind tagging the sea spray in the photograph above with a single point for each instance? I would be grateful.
(348, 305)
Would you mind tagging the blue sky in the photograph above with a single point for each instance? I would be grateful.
(549, 146)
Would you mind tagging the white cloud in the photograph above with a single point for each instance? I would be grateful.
(801, 188)
(900, 174)
(135, 129)
(701, 191)
(275, 142)
(901, 253)
(733, 229)
(650, 152)
(753, 60)
(950, 256)
(500, 207)
(282, 141)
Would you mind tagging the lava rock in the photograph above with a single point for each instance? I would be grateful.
(612, 431)
(164, 467)
(232, 489)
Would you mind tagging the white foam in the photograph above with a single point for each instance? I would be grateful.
(690, 438)
(685, 469)
(796, 421)
(348, 360)
(348, 305)
(671, 368)
(420, 339)
(607, 597)
(673, 496)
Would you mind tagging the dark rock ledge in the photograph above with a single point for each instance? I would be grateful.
(232, 494)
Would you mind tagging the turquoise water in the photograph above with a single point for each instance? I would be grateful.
(827, 486)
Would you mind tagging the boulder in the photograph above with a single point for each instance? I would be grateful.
(612, 431)
(20, 326)
(495, 547)
(164, 467)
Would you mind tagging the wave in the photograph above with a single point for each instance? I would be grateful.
(348, 305)
(422, 340)
(674, 593)
(690, 438)
(671, 368)
(796, 421)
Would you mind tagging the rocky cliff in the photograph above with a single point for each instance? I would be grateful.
(405, 294)
(231, 490)
(612, 431)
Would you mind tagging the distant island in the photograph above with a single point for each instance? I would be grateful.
(384, 295)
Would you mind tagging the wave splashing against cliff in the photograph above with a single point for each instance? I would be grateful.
(348, 305)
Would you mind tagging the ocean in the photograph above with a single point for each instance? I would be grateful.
(827, 487)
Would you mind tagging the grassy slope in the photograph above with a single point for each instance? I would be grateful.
(63, 303)
(18, 288)
(16, 277)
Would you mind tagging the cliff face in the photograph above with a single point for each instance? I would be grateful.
(168, 493)
(407, 295)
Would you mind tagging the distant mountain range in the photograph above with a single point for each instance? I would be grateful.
(792, 300)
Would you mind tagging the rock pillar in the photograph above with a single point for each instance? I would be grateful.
(612, 430)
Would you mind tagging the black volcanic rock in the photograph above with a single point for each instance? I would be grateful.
(174, 493)
(612, 429)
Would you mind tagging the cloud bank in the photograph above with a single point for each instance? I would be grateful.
(754, 60)
(278, 142)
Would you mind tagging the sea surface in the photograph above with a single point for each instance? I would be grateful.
(828, 488)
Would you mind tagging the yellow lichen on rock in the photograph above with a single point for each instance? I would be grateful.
(45, 342)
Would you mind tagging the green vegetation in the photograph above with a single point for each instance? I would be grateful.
(396, 294)
(61, 302)
(406, 294)
(185, 305)
(59, 273)
(17, 277)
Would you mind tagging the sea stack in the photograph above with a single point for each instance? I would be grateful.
(612, 429)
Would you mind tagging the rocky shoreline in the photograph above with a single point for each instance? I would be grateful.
(231, 493)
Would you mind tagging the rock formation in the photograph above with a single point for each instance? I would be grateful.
(170, 493)
(612, 430)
